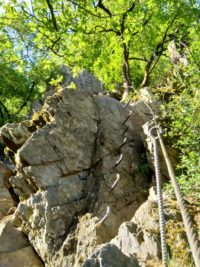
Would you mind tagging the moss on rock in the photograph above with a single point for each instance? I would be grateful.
(39, 119)
(177, 243)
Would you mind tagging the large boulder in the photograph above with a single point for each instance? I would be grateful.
(81, 157)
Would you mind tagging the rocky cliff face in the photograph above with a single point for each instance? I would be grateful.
(81, 172)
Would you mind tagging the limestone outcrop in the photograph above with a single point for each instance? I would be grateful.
(67, 162)
(81, 175)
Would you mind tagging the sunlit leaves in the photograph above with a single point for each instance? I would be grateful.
(85, 29)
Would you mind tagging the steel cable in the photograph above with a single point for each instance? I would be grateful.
(191, 235)
(159, 199)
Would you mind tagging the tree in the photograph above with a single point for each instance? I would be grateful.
(23, 75)
(119, 41)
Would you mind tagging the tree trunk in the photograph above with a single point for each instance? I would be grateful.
(126, 72)
(145, 81)
(147, 71)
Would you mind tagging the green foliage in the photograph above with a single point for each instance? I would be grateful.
(13, 87)
(183, 127)
(84, 35)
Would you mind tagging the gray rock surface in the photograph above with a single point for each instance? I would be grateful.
(81, 154)
(6, 201)
(15, 249)
(10, 237)
(140, 236)
(16, 134)
(84, 80)
(24, 257)
(110, 255)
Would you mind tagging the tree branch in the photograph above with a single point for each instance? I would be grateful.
(160, 47)
(54, 43)
(1, 117)
(144, 24)
(107, 30)
(101, 6)
(87, 10)
(131, 8)
(108, 11)
(5, 108)
(155, 56)
(167, 29)
(122, 25)
(146, 21)
(52, 15)
(124, 16)
(137, 58)
(27, 98)
(118, 33)
(31, 15)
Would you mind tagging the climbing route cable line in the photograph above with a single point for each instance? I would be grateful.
(159, 197)
(191, 234)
